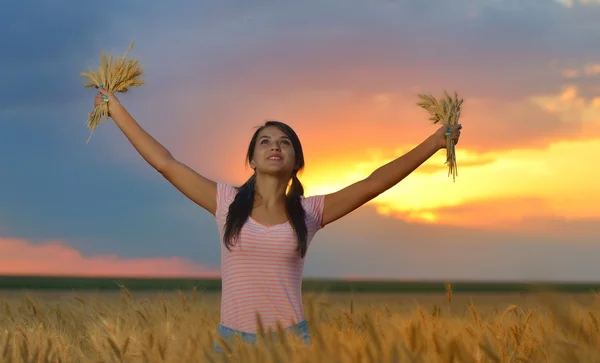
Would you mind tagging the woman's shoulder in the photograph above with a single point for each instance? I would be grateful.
(313, 205)
(226, 189)
(225, 195)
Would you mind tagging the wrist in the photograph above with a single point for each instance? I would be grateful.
(115, 108)
(435, 142)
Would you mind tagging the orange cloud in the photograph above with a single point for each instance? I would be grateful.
(19, 257)
(566, 3)
(570, 73)
(573, 70)
(494, 213)
(570, 3)
(569, 106)
(592, 68)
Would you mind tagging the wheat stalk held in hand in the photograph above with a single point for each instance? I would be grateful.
(116, 76)
(447, 112)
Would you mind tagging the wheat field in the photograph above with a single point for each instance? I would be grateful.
(180, 327)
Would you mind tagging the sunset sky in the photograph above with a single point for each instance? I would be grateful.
(345, 74)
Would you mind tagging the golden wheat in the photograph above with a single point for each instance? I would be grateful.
(180, 327)
(113, 77)
(447, 112)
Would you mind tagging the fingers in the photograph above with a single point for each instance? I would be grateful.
(453, 130)
(104, 93)
(101, 99)
(453, 133)
(457, 134)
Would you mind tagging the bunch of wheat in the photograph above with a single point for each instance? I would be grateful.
(447, 112)
(113, 77)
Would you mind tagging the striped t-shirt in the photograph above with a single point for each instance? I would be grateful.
(263, 271)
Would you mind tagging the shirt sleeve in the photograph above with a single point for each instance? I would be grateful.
(225, 195)
(313, 207)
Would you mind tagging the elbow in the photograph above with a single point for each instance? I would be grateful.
(375, 186)
(163, 165)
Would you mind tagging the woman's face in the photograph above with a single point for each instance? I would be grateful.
(273, 153)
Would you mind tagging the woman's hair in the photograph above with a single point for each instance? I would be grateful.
(241, 207)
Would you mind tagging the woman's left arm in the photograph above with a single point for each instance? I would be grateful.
(346, 200)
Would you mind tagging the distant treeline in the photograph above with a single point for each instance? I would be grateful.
(313, 285)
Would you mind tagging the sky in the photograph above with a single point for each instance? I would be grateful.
(345, 74)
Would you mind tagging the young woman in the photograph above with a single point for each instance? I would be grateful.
(267, 224)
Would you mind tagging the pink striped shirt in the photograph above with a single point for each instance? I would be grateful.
(263, 271)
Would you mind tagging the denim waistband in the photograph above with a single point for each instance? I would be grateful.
(301, 330)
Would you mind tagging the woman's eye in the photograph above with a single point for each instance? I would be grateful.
(285, 142)
(264, 141)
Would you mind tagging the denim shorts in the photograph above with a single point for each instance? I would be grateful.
(300, 330)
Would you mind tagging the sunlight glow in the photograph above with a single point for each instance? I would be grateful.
(521, 176)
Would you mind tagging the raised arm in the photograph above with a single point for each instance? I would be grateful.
(346, 200)
(199, 189)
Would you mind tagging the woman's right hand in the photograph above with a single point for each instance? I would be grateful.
(106, 97)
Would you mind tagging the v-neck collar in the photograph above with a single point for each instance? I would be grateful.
(268, 227)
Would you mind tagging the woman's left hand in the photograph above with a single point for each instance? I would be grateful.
(445, 132)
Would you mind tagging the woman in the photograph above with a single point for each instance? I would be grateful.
(265, 231)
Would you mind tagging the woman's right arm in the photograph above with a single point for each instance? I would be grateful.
(199, 189)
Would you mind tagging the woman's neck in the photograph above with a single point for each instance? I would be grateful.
(270, 189)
